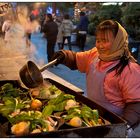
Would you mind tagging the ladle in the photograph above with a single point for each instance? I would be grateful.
(30, 74)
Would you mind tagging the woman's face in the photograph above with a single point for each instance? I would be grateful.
(104, 41)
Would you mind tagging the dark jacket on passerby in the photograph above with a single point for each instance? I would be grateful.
(83, 24)
(50, 30)
(82, 30)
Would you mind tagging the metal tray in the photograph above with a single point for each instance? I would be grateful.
(117, 128)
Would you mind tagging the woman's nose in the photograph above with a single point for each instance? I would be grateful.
(101, 46)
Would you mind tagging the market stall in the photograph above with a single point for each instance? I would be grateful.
(52, 118)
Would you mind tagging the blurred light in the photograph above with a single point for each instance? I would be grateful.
(49, 10)
(112, 3)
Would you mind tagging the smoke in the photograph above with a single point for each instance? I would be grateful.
(15, 48)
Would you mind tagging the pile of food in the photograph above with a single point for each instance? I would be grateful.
(44, 109)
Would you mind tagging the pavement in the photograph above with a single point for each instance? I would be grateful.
(73, 76)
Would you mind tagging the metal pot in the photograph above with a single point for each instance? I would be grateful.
(30, 74)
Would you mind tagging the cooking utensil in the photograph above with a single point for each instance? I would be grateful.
(30, 74)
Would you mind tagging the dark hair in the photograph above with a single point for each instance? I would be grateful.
(113, 26)
(50, 17)
(82, 13)
(107, 25)
(66, 16)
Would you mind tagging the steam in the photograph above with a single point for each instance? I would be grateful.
(15, 51)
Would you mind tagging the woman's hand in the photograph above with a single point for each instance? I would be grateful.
(60, 56)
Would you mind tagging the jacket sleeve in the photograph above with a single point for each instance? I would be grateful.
(132, 114)
(70, 59)
(44, 28)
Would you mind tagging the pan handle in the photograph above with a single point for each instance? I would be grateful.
(51, 63)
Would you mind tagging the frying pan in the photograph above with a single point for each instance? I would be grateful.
(30, 74)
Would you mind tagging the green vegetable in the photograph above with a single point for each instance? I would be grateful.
(25, 116)
(8, 90)
(87, 112)
(7, 87)
(44, 93)
(20, 117)
(8, 106)
(16, 106)
(69, 96)
(95, 115)
(57, 100)
(54, 89)
(48, 110)
(38, 114)
(60, 106)
(60, 98)
(72, 112)
(38, 122)
(35, 119)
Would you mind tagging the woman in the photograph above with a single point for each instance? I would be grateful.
(50, 30)
(60, 34)
(67, 27)
(112, 73)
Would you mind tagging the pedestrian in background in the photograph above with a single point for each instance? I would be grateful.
(50, 30)
(29, 32)
(6, 28)
(82, 29)
(67, 28)
(60, 34)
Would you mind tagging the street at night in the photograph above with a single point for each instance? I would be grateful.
(71, 68)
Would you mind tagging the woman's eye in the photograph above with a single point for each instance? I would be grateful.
(101, 40)
(104, 40)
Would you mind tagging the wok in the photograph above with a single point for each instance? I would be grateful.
(30, 74)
